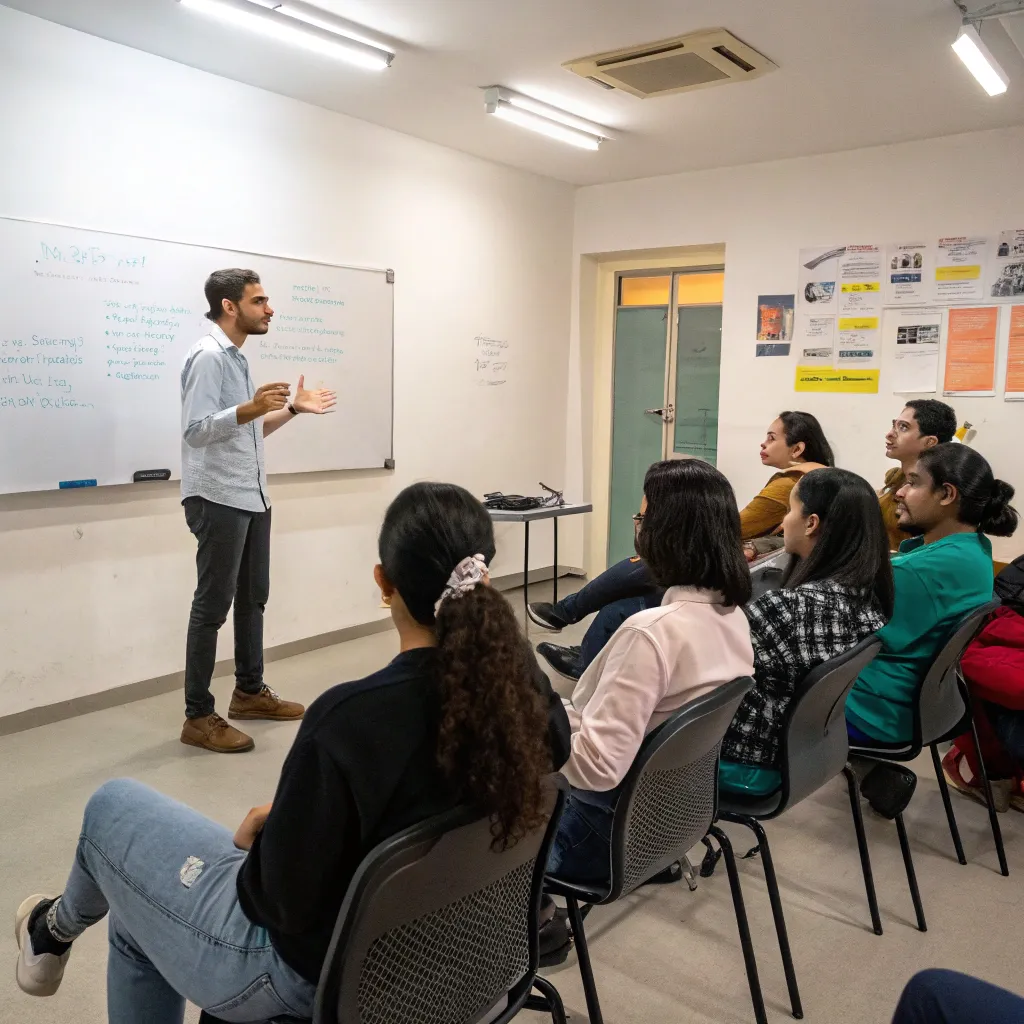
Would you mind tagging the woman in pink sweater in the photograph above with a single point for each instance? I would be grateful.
(688, 534)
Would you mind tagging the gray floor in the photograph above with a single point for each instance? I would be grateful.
(662, 955)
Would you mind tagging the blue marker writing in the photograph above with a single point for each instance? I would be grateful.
(65, 484)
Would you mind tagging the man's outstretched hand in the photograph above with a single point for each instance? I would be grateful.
(318, 401)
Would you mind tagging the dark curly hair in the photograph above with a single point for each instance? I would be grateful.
(492, 743)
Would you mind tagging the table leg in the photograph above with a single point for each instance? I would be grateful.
(554, 579)
(526, 574)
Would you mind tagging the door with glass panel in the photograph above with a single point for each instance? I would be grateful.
(668, 344)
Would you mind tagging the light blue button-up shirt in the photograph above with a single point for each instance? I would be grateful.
(221, 460)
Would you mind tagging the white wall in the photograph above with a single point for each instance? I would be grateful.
(764, 213)
(96, 586)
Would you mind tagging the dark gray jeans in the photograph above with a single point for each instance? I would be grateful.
(233, 565)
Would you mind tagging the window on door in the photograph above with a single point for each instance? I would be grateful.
(668, 345)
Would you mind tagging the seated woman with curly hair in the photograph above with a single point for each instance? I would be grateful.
(462, 715)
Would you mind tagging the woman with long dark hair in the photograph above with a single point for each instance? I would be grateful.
(688, 533)
(838, 591)
(242, 927)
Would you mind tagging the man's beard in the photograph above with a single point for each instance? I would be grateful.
(913, 529)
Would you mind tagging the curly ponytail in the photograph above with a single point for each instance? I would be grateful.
(999, 517)
(492, 743)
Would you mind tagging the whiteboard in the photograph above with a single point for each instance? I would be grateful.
(94, 328)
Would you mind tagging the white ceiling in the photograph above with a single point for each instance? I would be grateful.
(851, 73)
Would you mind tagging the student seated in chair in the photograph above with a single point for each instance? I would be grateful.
(948, 504)
(923, 423)
(688, 533)
(795, 444)
(839, 590)
(241, 926)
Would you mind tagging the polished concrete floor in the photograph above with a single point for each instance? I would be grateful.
(662, 956)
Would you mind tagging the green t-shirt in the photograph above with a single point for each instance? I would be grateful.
(936, 585)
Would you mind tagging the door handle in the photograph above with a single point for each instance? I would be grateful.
(668, 414)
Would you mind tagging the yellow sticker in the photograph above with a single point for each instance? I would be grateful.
(863, 286)
(957, 273)
(849, 381)
(858, 323)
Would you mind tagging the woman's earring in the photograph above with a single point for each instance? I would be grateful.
(385, 600)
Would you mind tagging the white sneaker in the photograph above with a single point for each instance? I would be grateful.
(37, 975)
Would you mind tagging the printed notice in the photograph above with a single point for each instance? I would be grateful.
(1015, 356)
(959, 263)
(491, 362)
(816, 340)
(1007, 274)
(971, 351)
(910, 274)
(857, 341)
(912, 334)
(844, 381)
(819, 269)
(860, 280)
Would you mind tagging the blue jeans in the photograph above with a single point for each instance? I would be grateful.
(628, 578)
(608, 619)
(1008, 725)
(581, 851)
(166, 876)
(947, 997)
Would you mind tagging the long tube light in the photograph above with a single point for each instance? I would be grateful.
(271, 23)
(543, 118)
(979, 61)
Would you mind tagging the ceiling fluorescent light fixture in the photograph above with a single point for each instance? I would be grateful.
(979, 61)
(274, 24)
(543, 118)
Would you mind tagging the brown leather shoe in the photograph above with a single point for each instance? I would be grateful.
(211, 732)
(263, 705)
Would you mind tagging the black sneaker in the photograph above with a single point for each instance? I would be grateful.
(544, 614)
(564, 660)
(888, 789)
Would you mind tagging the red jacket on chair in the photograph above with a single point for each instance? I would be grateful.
(993, 664)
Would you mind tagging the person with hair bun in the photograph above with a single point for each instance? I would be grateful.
(241, 925)
(949, 503)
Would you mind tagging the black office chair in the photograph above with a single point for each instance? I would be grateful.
(439, 928)
(665, 807)
(813, 751)
(943, 710)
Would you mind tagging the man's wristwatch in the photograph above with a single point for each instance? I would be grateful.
(292, 409)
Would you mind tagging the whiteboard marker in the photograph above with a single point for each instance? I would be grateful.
(66, 484)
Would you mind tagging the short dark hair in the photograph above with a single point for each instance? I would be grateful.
(226, 284)
(690, 535)
(853, 546)
(934, 418)
(802, 426)
(984, 501)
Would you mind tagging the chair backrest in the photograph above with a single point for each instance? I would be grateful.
(940, 706)
(437, 927)
(814, 745)
(669, 797)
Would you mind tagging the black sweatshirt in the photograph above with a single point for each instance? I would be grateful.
(363, 767)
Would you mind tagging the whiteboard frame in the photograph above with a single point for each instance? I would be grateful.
(266, 255)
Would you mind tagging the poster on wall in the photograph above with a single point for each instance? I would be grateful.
(971, 352)
(816, 340)
(859, 280)
(909, 274)
(959, 266)
(816, 280)
(1006, 273)
(850, 381)
(857, 340)
(1015, 357)
(913, 335)
(774, 324)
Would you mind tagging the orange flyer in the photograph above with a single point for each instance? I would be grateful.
(1015, 355)
(971, 351)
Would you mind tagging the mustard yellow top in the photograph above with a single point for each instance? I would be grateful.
(894, 480)
(765, 512)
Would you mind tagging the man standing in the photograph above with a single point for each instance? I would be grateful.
(924, 423)
(224, 420)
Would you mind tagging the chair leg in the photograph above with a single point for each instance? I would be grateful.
(862, 847)
(549, 1000)
(749, 960)
(950, 817)
(583, 955)
(908, 860)
(993, 818)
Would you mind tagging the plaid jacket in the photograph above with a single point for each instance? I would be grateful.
(792, 631)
